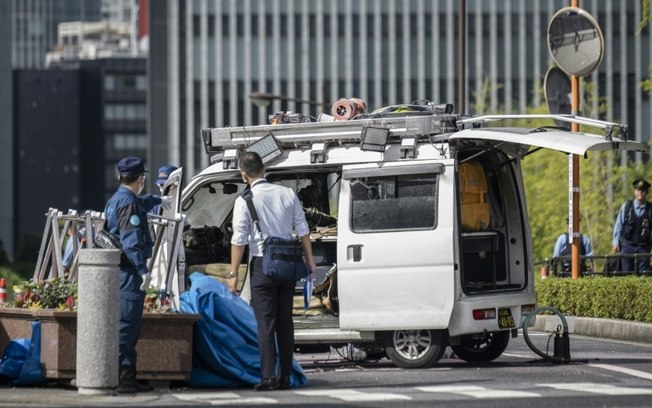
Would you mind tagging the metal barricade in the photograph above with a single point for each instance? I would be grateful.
(595, 265)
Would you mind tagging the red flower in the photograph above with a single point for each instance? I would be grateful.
(70, 302)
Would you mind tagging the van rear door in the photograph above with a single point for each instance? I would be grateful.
(167, 264)
(395, 252)
(521, 139)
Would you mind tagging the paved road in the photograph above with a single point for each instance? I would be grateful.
(602, 374)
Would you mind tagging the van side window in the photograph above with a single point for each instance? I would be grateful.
(393, 202)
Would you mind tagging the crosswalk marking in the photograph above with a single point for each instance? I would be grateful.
(478, 392)
(349, 395)
(224, 398)
(196, 396)
(471, 391)
(624, 370)
(595, 388)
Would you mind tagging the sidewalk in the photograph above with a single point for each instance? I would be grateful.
(623, 330)
(58, 396)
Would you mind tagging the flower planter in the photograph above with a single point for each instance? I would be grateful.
(164, 346)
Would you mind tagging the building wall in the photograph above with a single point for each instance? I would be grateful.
(6, 136)
(383, 51)
(73, 123)
(34, 31)
(159, 117)
(124, 115)
(47, 150)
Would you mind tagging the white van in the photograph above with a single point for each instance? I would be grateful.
(419, 224)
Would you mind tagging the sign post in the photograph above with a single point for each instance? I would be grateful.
(576, 45)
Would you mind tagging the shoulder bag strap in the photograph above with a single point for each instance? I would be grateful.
(248, 197)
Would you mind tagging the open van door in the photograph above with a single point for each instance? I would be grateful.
(521, 139)
(395, 246)
(167, 264)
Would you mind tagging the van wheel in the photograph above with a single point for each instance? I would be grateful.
(482, 347)
(415, 348)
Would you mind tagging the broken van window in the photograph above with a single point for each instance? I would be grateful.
(393, 202)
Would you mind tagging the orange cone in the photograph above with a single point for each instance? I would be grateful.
(3, 290)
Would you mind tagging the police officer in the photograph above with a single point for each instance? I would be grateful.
(163, 175)
(126, 218)
(632, 229)
(563, 248)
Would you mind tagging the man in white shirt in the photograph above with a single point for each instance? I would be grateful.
(280, 214)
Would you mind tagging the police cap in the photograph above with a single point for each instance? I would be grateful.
(164, 173)
(641, 184)
(131, 165)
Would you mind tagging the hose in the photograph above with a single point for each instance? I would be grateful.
(526, 336)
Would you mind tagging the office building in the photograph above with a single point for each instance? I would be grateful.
(91, 113)
(6, 129)
(34, 31)
(206, 57)
(98, 72)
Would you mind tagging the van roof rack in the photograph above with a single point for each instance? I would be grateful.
(218, 140)
(224, 144)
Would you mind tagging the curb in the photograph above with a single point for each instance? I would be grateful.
(595, 327)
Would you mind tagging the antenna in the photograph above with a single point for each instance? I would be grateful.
(557, 89)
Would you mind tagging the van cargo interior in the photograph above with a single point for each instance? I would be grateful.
(492, 247)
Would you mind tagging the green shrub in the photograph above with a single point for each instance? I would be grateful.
(626, 297)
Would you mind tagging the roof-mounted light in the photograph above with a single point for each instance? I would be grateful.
(267, 148)
(374, 138)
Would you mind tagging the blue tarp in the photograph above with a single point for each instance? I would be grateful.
(225, 349)
(21, 361)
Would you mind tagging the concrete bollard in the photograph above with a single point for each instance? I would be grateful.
(98, 316)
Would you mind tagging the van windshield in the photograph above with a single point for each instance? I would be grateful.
(212, 203)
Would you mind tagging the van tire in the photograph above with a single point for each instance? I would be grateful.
(482, 347)
(415, 348)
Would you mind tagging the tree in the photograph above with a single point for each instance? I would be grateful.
(604, 185)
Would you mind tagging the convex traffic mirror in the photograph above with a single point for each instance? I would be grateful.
(575, 41)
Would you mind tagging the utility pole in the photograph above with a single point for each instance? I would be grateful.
(461, 50)
(574, 219)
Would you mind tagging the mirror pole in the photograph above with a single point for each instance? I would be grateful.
(575, 177)
(461, 76)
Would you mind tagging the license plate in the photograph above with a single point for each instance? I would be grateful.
(505, 319)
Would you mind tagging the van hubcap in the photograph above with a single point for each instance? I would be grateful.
(412, 344)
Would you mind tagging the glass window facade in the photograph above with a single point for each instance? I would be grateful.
(386, 52)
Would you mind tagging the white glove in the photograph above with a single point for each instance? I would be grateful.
(166, 203)
(147, 278)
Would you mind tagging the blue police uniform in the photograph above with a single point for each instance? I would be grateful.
(126, 218)
(633, 233)
(633, 230)
(163, 174)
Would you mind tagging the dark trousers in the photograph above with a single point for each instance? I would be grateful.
(627, 247)
(131, 316)
(271, 300)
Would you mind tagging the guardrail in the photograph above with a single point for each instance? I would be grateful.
(595, 265)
